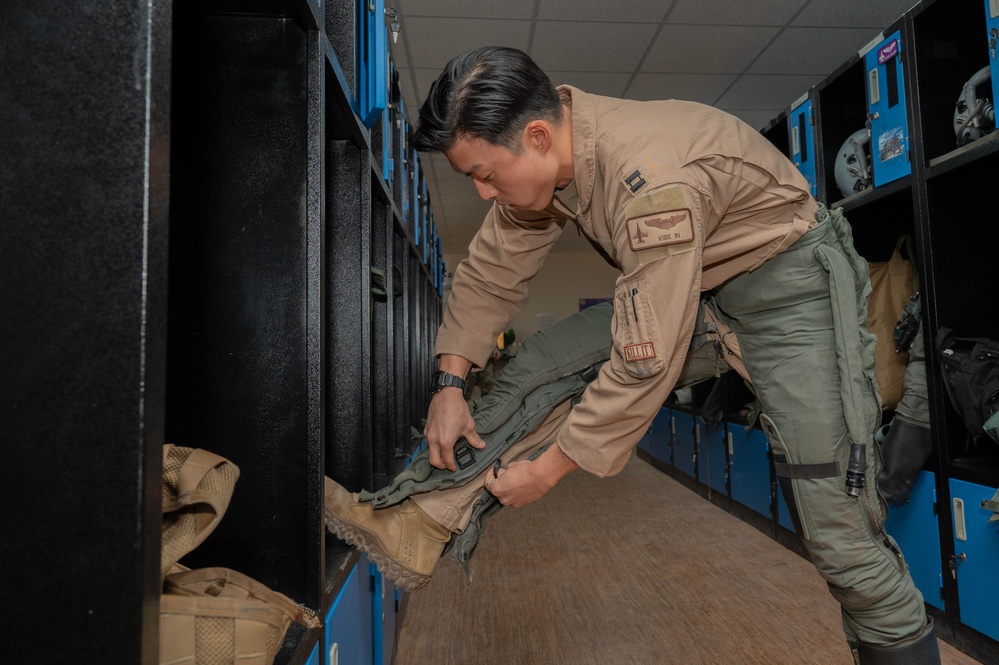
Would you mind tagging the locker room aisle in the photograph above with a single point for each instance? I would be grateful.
(630, 570)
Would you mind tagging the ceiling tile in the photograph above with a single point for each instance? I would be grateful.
(640, 11)
(409, 94)
(569, 46)
(421, 80)
(735, 12)
(853, 13)
(464, 8)
(704, 88)
(755, 118)
(766, 92)
(598, 83)
(432, 42)
(398, 50)
(706, 48)
(811, 50)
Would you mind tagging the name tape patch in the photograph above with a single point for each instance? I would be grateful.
(662, 228)
(641, 351)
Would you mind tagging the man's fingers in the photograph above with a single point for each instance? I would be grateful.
(474, 440)
(435, 458)
(441, 457)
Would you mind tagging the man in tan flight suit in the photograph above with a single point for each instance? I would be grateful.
(694, 207)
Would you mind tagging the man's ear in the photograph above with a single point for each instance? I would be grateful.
(538, 135)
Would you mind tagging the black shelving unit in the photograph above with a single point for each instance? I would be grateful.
(195, 218)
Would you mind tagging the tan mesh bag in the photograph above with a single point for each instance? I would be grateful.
(892, 284)
(217, 616)
(197, 487)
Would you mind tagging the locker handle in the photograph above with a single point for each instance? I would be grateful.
(873, 87)
(960, 531)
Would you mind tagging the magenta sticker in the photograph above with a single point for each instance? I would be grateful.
(887, 52)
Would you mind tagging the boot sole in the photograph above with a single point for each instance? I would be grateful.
(401, 576)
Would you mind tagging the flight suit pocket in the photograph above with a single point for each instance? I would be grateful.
(636, 335)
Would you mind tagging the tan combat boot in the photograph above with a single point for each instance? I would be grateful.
(401, 540)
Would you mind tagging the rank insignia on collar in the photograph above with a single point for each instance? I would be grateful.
(634, 181)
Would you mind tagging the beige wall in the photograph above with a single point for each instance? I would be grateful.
(555, 292)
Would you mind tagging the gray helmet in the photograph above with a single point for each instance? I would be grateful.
(853, 163)
(974, 116)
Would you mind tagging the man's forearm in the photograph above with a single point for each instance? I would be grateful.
(456, 365)
(554, 465)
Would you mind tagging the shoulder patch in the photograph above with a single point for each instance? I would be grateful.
(634, 181)
(661, 223)
(662, 228)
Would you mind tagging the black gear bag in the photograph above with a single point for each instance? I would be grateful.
(970, 368)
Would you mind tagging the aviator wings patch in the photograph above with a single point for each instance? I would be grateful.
(662, 228)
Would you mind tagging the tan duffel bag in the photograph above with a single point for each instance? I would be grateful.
(212, 616)
(197, 487)
(217, 615)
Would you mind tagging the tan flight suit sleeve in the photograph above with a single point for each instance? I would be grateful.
(491, 284)
(655, 308)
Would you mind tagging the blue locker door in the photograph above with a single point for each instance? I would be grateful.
(914, 528)
(659, 436)
(388, 134)
(372, 61)
(314, 656)
(992, 39)
(684, 448)
(700, 457)
(713, 467)
(802, 144)
(645, 443)
(349, 634)
(662, 436)
(383, 617)
(783, 514)
(749, 472)
(886, 102)
(417, 204)
(976, 544)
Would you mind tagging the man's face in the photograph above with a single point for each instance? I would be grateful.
(524, 180)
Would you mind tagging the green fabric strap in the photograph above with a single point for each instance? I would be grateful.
(849, 290)
(807, 471)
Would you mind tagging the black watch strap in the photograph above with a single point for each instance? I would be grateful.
(441, 380)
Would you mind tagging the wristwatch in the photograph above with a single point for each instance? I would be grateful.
(441, 380)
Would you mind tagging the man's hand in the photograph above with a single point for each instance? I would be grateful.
(448, 419)
(526, 481)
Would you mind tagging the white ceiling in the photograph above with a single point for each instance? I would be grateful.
(752, 58)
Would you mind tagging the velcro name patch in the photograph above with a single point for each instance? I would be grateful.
(641, 351)
(662, 228)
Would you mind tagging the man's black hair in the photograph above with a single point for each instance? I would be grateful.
(489, 93)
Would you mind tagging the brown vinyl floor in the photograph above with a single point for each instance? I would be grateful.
(630, 570)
